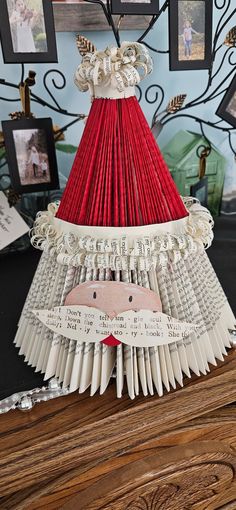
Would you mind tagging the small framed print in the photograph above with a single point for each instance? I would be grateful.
(200, 191)
(27, 31)
(227, 108)
(31, 156)
(150, 7)
(190, 34)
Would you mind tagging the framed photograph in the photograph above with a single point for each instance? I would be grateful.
(31, 157)
(227, 108)
(135, 7)
(27, 31)
(200, 191)
(190, 34)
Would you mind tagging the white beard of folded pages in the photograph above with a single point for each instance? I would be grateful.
(180, 274)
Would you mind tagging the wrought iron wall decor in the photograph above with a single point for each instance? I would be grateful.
(26, 96)
(211, 91)
(223, 44)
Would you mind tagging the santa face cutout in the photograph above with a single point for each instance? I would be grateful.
(114, 298)
(114, 313)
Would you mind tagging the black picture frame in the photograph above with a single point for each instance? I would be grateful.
(9, 36)
(131, 7)
(223, 110)
(25, 175)
(177, 64)
(200, 191)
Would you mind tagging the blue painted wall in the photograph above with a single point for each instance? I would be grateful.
(173, 82)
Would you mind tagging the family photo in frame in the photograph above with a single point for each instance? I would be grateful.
(190, 34)
(27, 31)
(227, 107)
(135, 7)
(31, 156)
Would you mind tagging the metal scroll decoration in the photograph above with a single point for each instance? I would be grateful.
(51, 79)
(155, 94)
(174, 108)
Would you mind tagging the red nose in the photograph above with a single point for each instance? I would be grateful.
(111, 341)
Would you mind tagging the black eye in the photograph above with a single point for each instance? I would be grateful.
(130, 299)
(94, 295)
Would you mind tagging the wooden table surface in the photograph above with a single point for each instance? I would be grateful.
(77, 452)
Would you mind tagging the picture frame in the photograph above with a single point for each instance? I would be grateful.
(200, 191)
(227, 107)
(30, 154)
(190, 34)
(138, 7)
(27, 35)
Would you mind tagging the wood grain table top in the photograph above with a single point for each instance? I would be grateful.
(52, 452)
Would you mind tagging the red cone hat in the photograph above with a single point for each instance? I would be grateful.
(119, 177)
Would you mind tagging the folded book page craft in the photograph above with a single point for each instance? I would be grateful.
(124, 288)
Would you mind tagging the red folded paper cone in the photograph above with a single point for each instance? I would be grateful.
(119, 177)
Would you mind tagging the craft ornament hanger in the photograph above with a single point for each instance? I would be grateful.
(24, 90)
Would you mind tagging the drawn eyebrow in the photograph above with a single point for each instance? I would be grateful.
(134, 291)
(98, 286)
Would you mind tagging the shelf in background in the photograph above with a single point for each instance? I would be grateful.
(76, 15)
